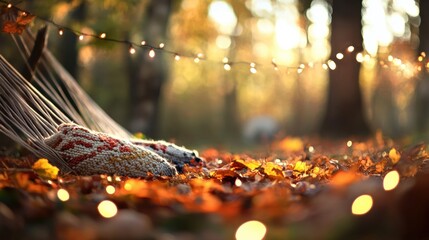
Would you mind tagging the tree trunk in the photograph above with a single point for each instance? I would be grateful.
(344, 114)
(68, 53)
(146, 84)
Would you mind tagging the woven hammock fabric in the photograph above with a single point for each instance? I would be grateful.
(88, 152)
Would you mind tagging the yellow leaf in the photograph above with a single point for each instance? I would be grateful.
(250, 164)
(273, 170)
(44, 169)
(315, 172)
(394, 155)
(301, 167)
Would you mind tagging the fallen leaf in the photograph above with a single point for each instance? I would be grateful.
(394, 155)
(251, 164)
(301, 167)
(273, 170)
(44, 169)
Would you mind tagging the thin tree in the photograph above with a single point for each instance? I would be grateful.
(422, 89)
(344, 112)
(147, 74)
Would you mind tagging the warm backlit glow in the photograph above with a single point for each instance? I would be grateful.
(176, 57)
(339, 56)
(251, 230)
(253, 70)
(152, 53)
(350, 49)
(132, 50)
(161, 45)
(349, 143)
(63, 195)
(103, 35)
(128, 186)
(143, 43)
(391, 180)
(196, 60)
(109, 178)
(107, 209)
(362, 204)
(9, 5)
(110, 189)
(61, 32)
(81, 37)
(311, 149)
(222, 13)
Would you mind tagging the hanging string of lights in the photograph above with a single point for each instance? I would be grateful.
(421, 63)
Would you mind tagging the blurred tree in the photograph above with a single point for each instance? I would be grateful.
(344, 112)
(422, 89)
(148, 75)
(68, 54)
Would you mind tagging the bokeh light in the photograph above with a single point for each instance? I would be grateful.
(63, 195)
(251, 230)
(391, 180)
(362, 205)
(107, 209)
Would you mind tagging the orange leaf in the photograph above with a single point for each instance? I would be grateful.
(15, 21)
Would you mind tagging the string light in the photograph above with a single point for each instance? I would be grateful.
(152, 53)
(253, 68)
(325, 66)
(332, 65)
(360, 57)
(227, 67)
(132, 50)
(349, 143)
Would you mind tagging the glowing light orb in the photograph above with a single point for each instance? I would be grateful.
(152, 53)
(391, 180)
(362, 205)
(107, 209)
(63, 195)
(110, 189)
(251, 230)
(349, 143)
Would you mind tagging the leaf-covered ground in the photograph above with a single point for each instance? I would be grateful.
(292, 189)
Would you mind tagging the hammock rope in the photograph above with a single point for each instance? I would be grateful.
(53, 117)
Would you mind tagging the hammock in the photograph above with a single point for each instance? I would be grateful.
(53, 117)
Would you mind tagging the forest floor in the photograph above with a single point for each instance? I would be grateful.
(295, 189)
